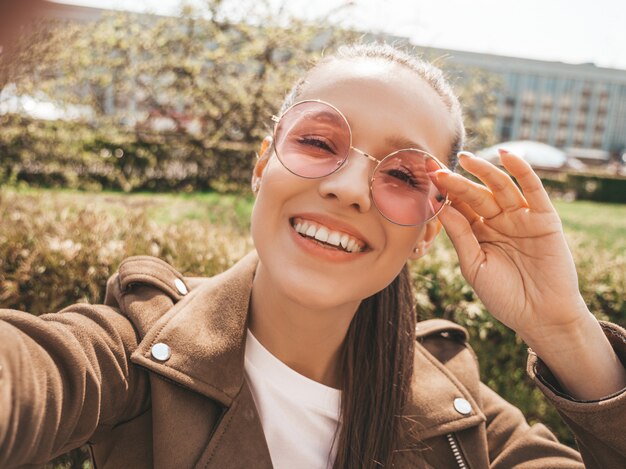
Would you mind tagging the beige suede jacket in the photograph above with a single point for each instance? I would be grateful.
(155, 378)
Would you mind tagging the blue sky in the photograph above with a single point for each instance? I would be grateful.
(574, 31)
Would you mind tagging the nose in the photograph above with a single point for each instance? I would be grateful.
(350, 184)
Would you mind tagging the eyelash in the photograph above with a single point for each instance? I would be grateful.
(322, 145)
(405, 175)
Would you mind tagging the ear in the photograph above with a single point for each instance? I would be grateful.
(428, 236)
(262, 159)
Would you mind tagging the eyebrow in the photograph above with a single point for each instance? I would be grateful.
(320, 116)
(328, 116)
(399, 142)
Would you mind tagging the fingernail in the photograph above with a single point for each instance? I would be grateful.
(439, 172)
(503, 151)
(465, 153)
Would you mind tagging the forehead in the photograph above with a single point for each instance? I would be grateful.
(383, 102)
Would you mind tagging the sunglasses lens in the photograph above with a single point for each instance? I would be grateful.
(403, 189)
(312, 139)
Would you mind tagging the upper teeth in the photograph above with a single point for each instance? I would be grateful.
(326, 235)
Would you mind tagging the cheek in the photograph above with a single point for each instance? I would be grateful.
(277, 183)
(399, 245)
(278, 188)
(265, 216)
(401, 240)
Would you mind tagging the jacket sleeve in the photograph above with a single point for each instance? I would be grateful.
(62, 377)
(511, 442)
(598, 425)
(514, 443)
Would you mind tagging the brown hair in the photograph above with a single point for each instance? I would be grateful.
(377, 357)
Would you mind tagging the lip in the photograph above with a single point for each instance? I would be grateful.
(335, 225)
(312, 247)
(327, 253)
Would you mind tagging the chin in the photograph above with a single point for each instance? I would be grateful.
(322, 291)
(315, 293)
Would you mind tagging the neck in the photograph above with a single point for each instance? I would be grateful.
(306, 339)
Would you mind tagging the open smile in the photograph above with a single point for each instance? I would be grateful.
(328, 237)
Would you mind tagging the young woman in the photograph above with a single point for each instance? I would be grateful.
(306, 353)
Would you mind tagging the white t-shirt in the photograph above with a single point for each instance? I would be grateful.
(299, 415)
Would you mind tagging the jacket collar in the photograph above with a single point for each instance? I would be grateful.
(206, 333)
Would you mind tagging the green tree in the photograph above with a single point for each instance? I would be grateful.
(214, 78)
(213, 74)
(478, 91)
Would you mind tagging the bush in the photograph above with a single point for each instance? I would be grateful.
(51, 257)
(599, 188)
(79, 156)
(45, 265)
(588, 186)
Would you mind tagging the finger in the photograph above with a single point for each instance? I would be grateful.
(477, 196)
(505, 192)
(467, 247)
(531, 185)
(464, 209)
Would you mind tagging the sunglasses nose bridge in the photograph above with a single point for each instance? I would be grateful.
(350, 183)
(356, 163)
(366, 155)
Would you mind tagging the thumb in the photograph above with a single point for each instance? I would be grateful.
(467, 247)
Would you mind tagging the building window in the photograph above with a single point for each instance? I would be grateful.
(586, 91)
(506, 132)
(528, 97)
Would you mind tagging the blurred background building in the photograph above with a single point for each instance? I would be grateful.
(575, 107)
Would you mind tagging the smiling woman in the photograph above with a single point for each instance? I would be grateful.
(307, 353)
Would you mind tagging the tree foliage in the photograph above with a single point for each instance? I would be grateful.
(189, 88)
(202, 66)
(192, 92)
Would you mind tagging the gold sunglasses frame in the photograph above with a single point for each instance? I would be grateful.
(277, 119)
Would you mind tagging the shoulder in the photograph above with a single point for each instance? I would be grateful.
(448, 342)
(149, 271)
(146, 287)
(442, 337)
(440, 328)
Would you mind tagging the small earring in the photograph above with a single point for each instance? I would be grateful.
(416, 250)
(255, 186)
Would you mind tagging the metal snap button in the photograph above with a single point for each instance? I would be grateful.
(462, 406)
(161, 351)
(181, 287)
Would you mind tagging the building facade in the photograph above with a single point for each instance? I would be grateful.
(564, 105)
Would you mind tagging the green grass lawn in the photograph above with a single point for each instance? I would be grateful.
(602, 225)
(602, 222)
(162, 208)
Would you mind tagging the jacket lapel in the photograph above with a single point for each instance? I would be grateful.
(238, 441)
(431, 409)
(205, 333)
